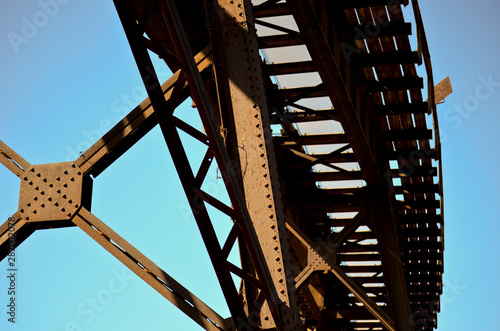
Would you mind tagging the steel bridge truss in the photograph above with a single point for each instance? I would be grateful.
(339, 228)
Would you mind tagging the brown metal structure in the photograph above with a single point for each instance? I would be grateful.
(314, 114)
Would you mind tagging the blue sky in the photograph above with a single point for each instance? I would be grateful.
(69, 81)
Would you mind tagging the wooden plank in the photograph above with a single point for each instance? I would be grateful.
(420, 218)
(351, 4)
(385, 58)
(395, 84)
(417, 188)
(291, 95)
(289, 68)
(413, 155)
(335, 176)
(402, 108)
(377, 30)
(408, 134)
(278, 9)
(282, 40)
(318, 139)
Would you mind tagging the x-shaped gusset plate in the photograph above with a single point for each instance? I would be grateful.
(58, 195)
(109, 148)
(52, 194)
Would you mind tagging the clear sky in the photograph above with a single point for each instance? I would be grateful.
(66, 80)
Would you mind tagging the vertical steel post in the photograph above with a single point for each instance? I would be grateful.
(245, 120)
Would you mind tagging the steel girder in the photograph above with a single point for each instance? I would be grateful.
(246, 124)
(363, 146)
(239, 86)
(243, 221)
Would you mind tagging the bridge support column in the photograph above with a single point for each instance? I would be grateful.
(245, 124)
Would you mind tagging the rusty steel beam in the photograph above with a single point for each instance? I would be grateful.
(347, 112)
(137, 123)
(56, 190)
(245, 118)
(163, 112)
(322, 257)
(13, 161)
(12, 233)
(148, 271)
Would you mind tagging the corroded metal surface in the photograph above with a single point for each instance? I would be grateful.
(314, 112)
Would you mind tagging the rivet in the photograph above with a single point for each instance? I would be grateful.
(76, 205)
(31, 183)
(45, 180)
(69, 214)
(50, 185)
(63, 210)
(27, 218)
(29, 204)
(50, 199)
(65, 185)
(35, 198)
(38, 174)
(22, 210)
(72, 179)
(58, 178)
(64, 196)
(56, 204)
(42, 193)
(25, 178)
(65, 172)
(36, 188)
(34, 211)
(73, 165)
(277, 259)
(43, 206)
(32, 170)
(58, 191)
(69, 201)
(79, 173)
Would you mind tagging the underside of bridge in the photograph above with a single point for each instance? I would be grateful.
(314, 113)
